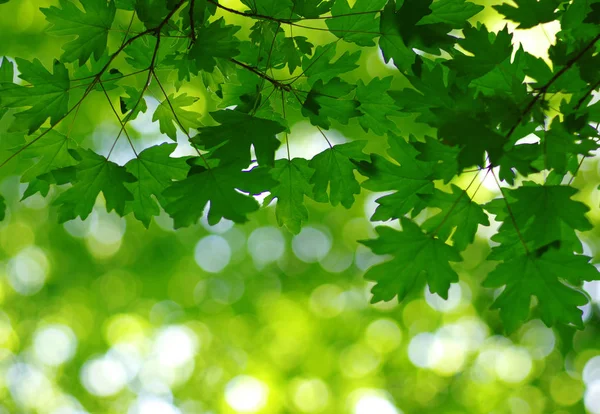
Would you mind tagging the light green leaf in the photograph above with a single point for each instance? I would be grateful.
(47, 96)
(95, 174)
(90, 26)
(416, 258)
(334, 171)
(170, 113)
(155, 170)
(293, 178)
(550, 277)
(376, 104)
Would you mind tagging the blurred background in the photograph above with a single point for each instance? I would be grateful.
(104, 316)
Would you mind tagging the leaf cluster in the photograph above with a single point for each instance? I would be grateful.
(488, 107)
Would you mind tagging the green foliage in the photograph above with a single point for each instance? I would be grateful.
(47, 96)
(95, 174)
(90, 26)
(416, 258)
(550, 277)
(469, 97)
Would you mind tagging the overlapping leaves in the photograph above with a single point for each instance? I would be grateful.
(478, 104)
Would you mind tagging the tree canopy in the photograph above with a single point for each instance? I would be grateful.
(478, 104)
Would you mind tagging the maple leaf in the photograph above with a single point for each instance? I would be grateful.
(546, 213)
(458, 219)
(443, 158)
(326, 101)
(474, 142)
(391, 43)
(358, 24)
(52, 151)
(236, 134)
(312, 8)
(416, 258)
(322, 67)
(170, 113)
(90, 26)
(293, 48)
(151, 12)
(108, 79)
(140, 53)
(47, 96)
(519, 158)
(334, 170)
(561, 145)
(155, 170)
(95, 174)
(550, 277)
(279, 9)
(7, 74)
(376, 105)
(452, 12)
(408, 180)
(293, 178)
(134, 103)
(186, 199)
(215, 40)
(488, 51)
(529, 13)
(402, 27)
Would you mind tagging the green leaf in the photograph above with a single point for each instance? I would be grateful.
(151, 12)
(488, 51)
(293, 48)
(452, 12)
(458, 219)
(408, 180)
(293, 178)
(322, 67)
(546, 213)
(213, 41)
(312, 8)
(186, 199)
(391, 43)
(52, 151)
(358, 24)
(155, 170)
(95, 174)
(443, 157)
(474, 142)
(90, 26)
(140, 52)
(334, 171)
(279, 9)
(125, 4)
(401, 32)
(529, 13)
(236, 134)
(7, 75)
(550, 277)
(133, 103)
(326, 101)
(416, 258)
(376, 104)
(560, 146)
(47, 96)
(170, 113)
